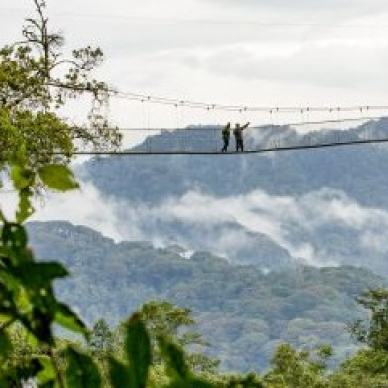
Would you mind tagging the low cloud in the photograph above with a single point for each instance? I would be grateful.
(83, 207)
(322, 227)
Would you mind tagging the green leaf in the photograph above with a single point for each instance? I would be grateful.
(7, 298)
(174, 357)
(119, 376)
(4, 381)
(25, 208)
(14, 236)
(39, 275)
(65, 317)
(5, 345)
(46, 377)
(22, 178)
(81, 370)
(51, 270)
(58, 177)
(139, 353)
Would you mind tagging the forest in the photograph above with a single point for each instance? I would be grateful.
(46, 343)
(242, 312)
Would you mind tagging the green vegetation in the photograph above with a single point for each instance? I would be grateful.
(309, 180)
(242, 312)
(36, 146)
(155, 347)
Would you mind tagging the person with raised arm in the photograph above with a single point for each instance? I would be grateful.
(238, 135)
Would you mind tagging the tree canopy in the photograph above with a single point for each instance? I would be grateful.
(37, 80)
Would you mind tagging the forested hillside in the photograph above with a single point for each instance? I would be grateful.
(323, 206)
(358, 171)
(243, 312)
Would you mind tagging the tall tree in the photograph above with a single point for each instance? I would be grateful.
(36, 81)
(36, 144)
(373, 332)
(163, 319)
(293, 368)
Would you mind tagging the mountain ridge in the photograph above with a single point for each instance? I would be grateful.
(234, 305)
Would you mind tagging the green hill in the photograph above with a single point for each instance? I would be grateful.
(327, 205)
(243, 311)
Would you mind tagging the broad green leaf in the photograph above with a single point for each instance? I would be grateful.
(174, 357)
(14, 235)
(138, 349)
(81, 371)
(22, 178)
(58, 177)
(51, 270)
(7, 298)
(65, 317)
(38, 322)
(119, 375)
(25, 208)
(46, 377)
(40, 275)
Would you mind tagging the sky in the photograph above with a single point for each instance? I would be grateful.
(233, 52)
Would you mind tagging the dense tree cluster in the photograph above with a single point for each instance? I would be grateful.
(243, 312)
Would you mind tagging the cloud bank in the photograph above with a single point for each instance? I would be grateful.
(323, 227)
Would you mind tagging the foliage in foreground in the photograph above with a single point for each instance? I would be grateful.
(36, 144)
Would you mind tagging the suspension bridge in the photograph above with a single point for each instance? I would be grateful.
(196, 127)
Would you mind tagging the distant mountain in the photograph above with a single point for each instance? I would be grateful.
(359, 171)
(241, 310)
(324, 206)
(263, 248)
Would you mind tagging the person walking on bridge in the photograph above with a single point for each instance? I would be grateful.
(238, 135)
(225, 137)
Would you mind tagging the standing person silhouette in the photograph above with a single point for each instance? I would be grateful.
(238, 135)
(225, 137)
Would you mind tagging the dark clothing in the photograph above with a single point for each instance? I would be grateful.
(239, 145)
(225, 137)
(226, 144)
(238, 135)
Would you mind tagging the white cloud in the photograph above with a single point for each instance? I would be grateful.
(227, 225)
(231, 52)
(83, 207)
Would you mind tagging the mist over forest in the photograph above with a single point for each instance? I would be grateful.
(264, 248)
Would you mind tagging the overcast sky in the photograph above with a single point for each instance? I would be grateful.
(245, 52)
